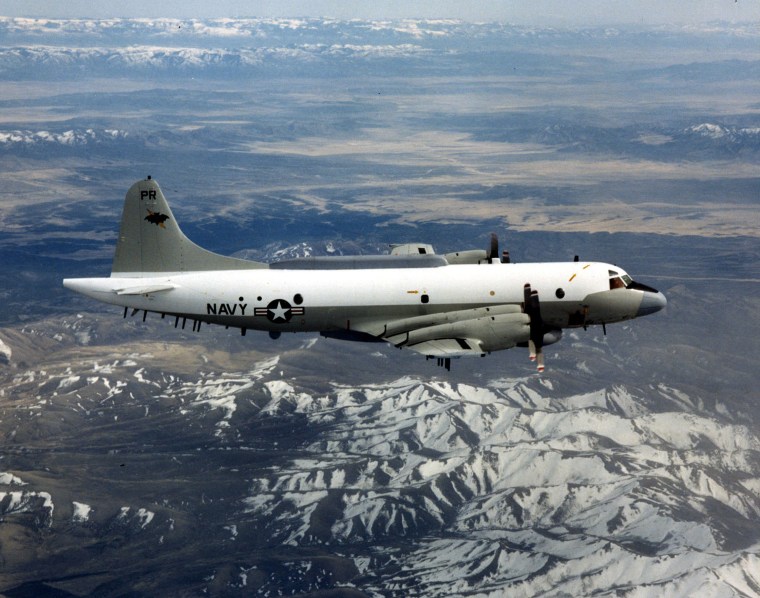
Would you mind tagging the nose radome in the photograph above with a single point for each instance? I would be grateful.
(651, 303)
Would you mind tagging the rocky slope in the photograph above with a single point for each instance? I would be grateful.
(255, 474)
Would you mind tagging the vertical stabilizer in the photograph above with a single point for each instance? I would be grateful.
(150, 239)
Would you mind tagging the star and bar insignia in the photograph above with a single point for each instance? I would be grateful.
(279, 310)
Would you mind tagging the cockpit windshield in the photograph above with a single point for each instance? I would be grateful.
(619, 281)
(623, 281)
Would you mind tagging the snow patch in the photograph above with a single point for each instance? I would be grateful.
(81, 512)
(5, 352)
(8, 479)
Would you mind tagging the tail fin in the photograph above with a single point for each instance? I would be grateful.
(150, 239)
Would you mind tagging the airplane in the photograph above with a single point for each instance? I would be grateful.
(443, 306)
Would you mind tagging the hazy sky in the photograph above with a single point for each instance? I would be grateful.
(529, 12)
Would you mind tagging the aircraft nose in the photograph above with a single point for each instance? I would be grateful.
(651, 302)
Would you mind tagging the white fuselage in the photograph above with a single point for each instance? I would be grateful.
(572, 294)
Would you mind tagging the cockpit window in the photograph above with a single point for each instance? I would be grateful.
(619, 281)
(616, 283)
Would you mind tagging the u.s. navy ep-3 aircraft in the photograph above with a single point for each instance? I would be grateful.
(442, 306)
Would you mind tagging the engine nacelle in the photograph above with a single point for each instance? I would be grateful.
(471, 256)
(412, 249)
(494, 332)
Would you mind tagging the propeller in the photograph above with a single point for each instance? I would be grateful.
(536, 340)
(493, 251)
(493, 248)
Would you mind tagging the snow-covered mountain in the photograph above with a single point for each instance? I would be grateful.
(265, 26)
(71, 47)
(168, 58)
(70, 137)
(414, 486)
(140, 458)
(723, 132)
(514, 488)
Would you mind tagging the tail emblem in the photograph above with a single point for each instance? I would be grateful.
(157, 218)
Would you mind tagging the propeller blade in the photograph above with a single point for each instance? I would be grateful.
(537, 330)
(532, 307)
(493, 248)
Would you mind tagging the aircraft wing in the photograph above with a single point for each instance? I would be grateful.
(456, 333)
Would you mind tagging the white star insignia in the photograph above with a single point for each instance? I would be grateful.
(279, 312)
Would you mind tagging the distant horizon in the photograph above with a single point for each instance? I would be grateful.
(549, 13)
(568, 26)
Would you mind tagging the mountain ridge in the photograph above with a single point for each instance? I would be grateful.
(504, 484)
